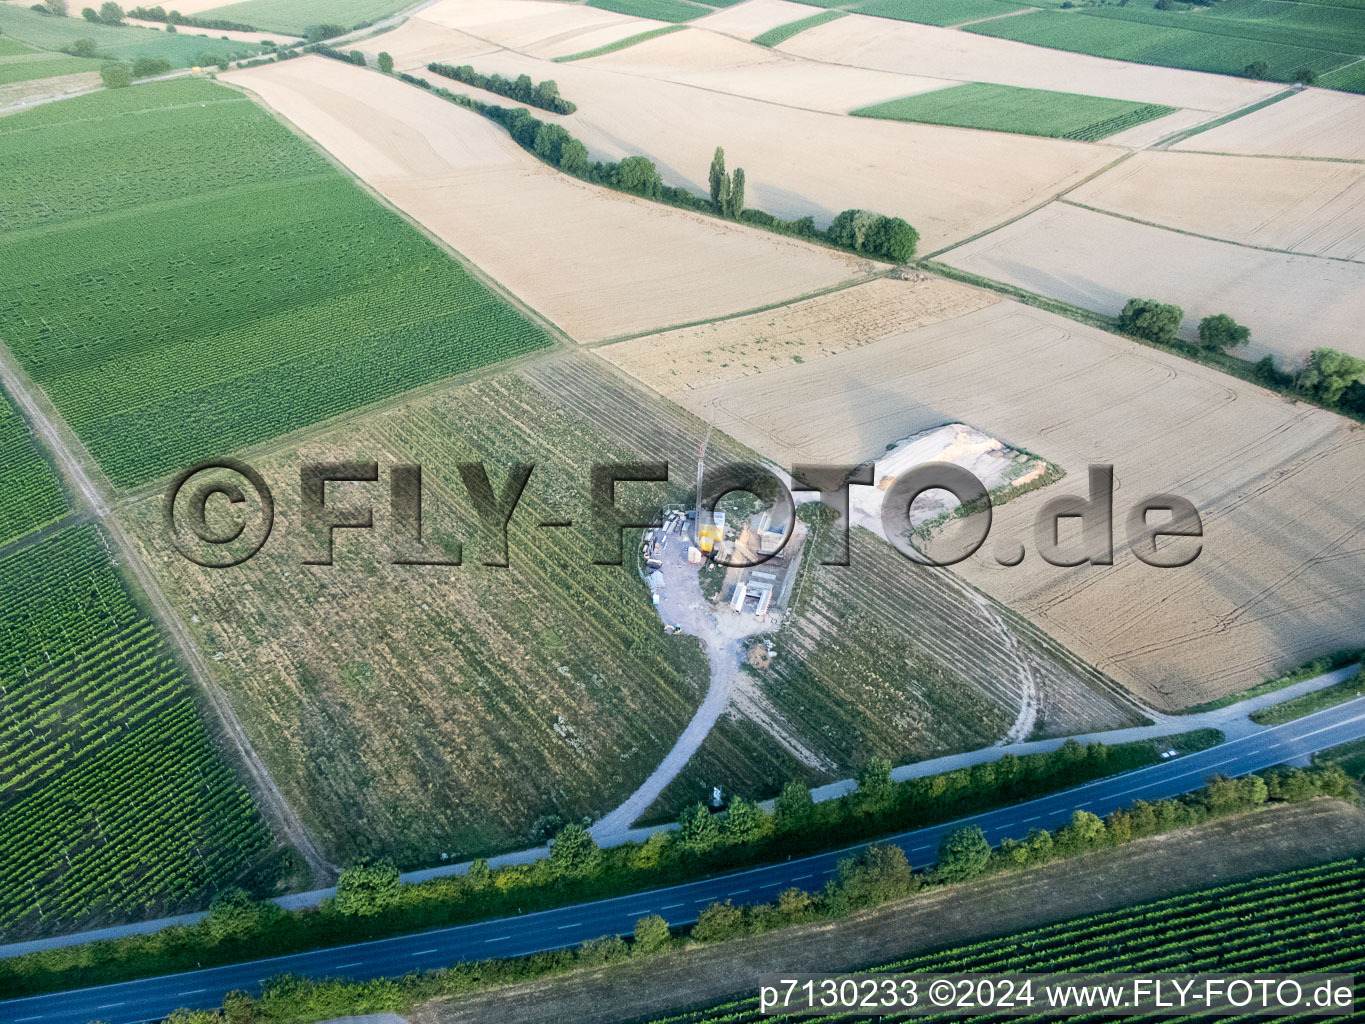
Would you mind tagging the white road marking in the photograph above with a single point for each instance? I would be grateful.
(770, 885)
(423, 952)
(22, 1019)
(191, 992)
(737, 892)
(671, 906)
(1034, 818)
(802, 878)
(500, 938)
(576, 924)
(342, 967)
(110, 1006)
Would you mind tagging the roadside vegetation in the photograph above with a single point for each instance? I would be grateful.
(367, 309)
(1308, 703)
(1309, 670)
(744, 836)
(1320, 900)
(1005, 108)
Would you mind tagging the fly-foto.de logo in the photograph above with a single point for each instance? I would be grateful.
(221, 513)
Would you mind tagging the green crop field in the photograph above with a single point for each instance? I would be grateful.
(30, 495)
(620, 44)
(1309, 920)
(937, 12)
(293, 16)
(1348, 79)
(28, 70)
(1004, 108)
(1215, 45)
(126, 42)
(1334, 29)
(14, 48)
(659, 10)
(179, 299)
(784, 32)
(116, 802)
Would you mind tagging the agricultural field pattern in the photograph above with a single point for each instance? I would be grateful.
(450, 455)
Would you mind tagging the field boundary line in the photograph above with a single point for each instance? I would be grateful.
(70, 456)
(1207, 238)
(72, 518)
(817, 293)
(995, 17)
(1215, 122)
(1274, 156)
(1032, 209)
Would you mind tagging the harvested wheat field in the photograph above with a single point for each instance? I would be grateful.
(1316, 123)
(1311, 207)
(1279, 579)
(542, 28)
(1292, 304)
(948, 182)
(754, 17)
(720, 63)
(944, 53)
(697, 357)
(597, 263)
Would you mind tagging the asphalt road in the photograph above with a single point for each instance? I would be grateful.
(153, 998)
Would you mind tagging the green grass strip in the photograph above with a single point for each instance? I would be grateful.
(784, 32)
(1306, 704)
(620, 44)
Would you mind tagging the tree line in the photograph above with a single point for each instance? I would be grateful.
(371, 901)
(544, 95)
(877, 875)
(1332, 379)
(861, 231)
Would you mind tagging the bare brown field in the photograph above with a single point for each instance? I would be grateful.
(1311, 207)
(47, 88)
(697, 357)
(541, 28)
(1278, 581)
(1315, 123)
(1292, 304)
(944, 53)
(754, 17)
(595, 262)
(948, 182)
(1275, 839)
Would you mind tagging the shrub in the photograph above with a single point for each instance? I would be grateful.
(116, 76)
(90, 14)
(1222, 332)
(357, 58)
(367, 888)
(697, 830)
(638, 175)
(317, 33)
(82, 48)
(963, 853)
(386, 62)
(1257, 69)
(148, 67)
(111, 13)
(1328, 374)
(609, 949)
(651, 934)
(545, 95)
(1306, 76)
(718, 922)
(234, 915)
(574, 853)
(794, 806)
(1151, 320)
(878, 875)
(875, 792)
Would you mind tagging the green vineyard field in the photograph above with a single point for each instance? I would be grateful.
(1308, 920)
(784, 32)
(179, 299)
(1004, 108)
(293, 16)
(937, 12)
(113, 800)
(28, 70)
(127, 42)
(30, 496)
(659, 10)
(1113, 32)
